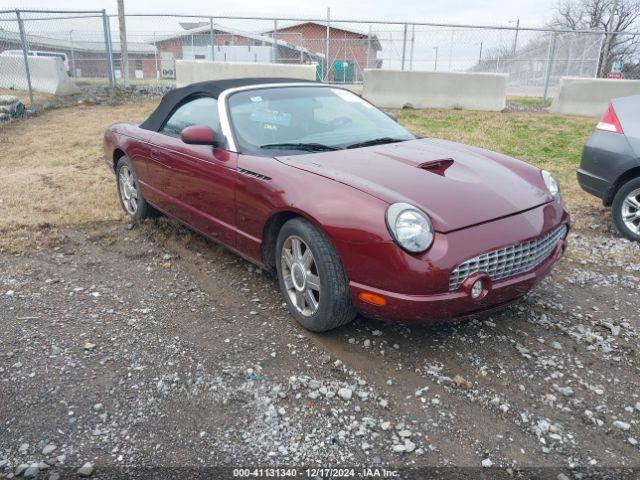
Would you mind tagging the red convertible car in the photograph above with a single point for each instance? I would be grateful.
(351, 211)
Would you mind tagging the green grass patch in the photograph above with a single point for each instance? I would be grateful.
(529, 101)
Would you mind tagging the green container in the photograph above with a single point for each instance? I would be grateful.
(343, 71)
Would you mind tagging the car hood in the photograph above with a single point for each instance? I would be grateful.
(457, 185)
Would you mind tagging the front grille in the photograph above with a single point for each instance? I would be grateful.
(509, 261)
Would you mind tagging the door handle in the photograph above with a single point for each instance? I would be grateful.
(155, 154)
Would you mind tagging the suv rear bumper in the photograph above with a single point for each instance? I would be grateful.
(593, 184)
(606, 156)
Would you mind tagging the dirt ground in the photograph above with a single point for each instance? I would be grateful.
(149, 347)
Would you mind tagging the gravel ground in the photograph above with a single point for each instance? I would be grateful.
(127, 347)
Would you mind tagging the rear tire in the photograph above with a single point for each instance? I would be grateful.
(131, 199)
(626, 210)
(311, 277)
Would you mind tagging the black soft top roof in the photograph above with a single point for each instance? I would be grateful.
(173, 98)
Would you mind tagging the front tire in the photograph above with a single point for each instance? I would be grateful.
(131, 199)
(626, 210)
(311, 277)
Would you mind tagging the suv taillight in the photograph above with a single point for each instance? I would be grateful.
(610, 122)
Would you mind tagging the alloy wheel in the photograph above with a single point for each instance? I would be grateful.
(631, 211)
(128, 190)
(300, 275)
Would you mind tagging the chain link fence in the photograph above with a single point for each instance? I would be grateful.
(88, 46)
(78, 41)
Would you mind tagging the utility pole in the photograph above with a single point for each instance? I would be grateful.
(480, 56)
(124, 56)
(435, 63)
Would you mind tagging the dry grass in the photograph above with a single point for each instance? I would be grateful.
(52, 170)
(53, 174)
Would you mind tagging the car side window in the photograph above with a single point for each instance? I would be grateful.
(201, 111)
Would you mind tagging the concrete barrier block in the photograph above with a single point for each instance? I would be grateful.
(469, 91)
(191, 71)
(589, 97)
(47, 75)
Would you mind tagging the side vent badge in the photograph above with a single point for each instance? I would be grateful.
(249, 173)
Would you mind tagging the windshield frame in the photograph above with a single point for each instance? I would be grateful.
(226, 125)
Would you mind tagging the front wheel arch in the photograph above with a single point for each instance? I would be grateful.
(270, 235)
(333, 308)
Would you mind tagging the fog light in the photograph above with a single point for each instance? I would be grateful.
(476, 289)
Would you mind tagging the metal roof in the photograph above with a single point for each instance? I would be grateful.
(334, 26)
(240, 33)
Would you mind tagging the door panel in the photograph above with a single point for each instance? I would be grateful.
(197, 185)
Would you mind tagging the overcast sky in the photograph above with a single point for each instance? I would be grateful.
(530, 12)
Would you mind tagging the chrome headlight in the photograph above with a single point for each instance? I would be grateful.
(410, 227)
(551, 183)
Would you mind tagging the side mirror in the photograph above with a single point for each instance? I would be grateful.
(201, 135)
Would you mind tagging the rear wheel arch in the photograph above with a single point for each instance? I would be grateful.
(129, 190)
(620, 181)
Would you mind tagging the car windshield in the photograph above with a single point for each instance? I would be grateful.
(308, 119)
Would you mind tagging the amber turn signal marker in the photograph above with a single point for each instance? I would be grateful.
(373, 299)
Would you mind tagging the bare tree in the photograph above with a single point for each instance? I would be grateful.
(612, 17)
